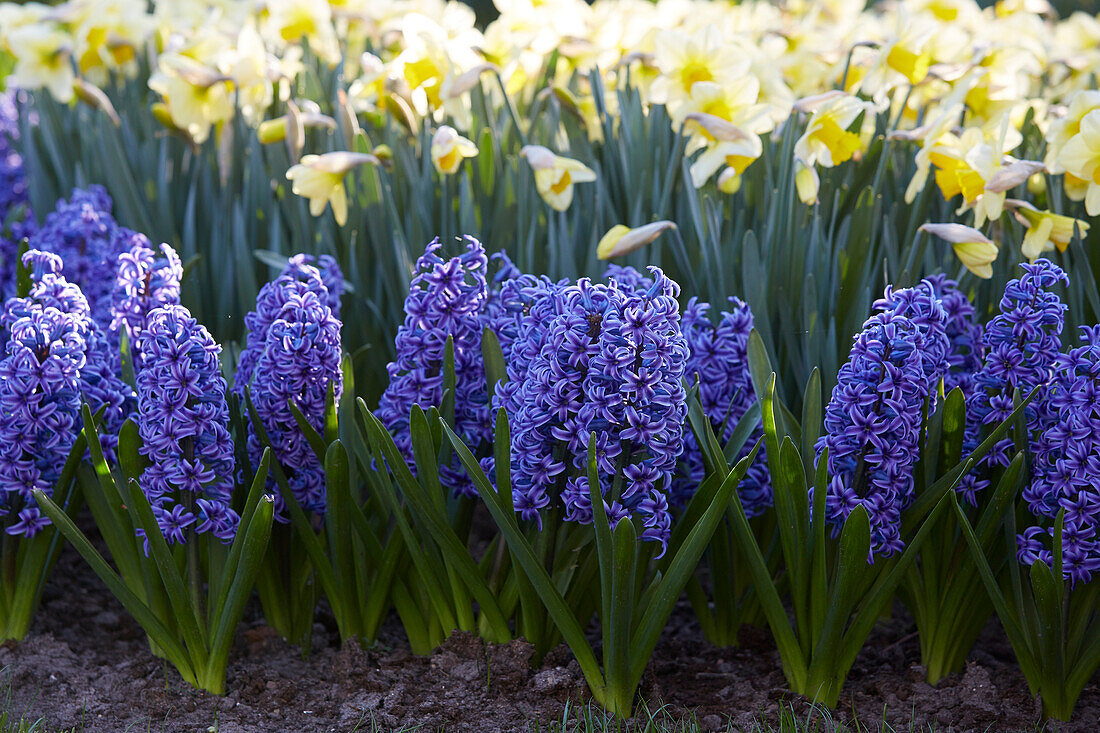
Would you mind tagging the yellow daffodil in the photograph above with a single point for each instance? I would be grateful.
(42, 60)
(195, 96)
(621, 239)
(291, 21)
(555, 175)
(449, 149)
(320, 178)
(975, 250)
(686, 59)
(826, 141)
(1045, 229)
(1081, 158)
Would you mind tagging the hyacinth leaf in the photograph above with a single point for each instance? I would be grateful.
(145, 617)
(685, 557)
(617, 656)
(493, 356)
(564, 618)
(317, 443)
(305, 532)
(926, 501)
(1010, 616)
(795, 666)
(219, 587)
(460, 565)
(23, 281)
(429, 572)
(253, 547)
(37, 555)
(190, 622)
(338, 524)
(812, 418)
(109, 509)
(601, 528)
(331, 415)
(430, 493)
(1051, 654)
(851, 569)
(819, 571)
(709, 447)
(741, 432)
(885, 582)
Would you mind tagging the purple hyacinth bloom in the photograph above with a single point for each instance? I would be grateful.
(300, 363)
(604, 362)
(1021, 346)
(719, 363)
(447, 298)
(269, 304)
(873, 419)
(1066, 470)
(182, 419)
(85, 235)
(330, 272)
(100, 385)
(40, 400)
(144, 282)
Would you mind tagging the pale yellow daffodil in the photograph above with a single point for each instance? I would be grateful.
(1081, 158)
(320, 178)
(1045, 229)
(976, 251)
(555, 175)
(826, 141)
(449, 149)
(621, 239)
(196, 97)
(42, 60)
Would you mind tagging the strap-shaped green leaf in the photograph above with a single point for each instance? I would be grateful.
(148, 620)
(219, 583)
(493, 356)
(253, 547)
(191, 624)
(563, 617)
(686, 558)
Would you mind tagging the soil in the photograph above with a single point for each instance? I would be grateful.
(86, 664)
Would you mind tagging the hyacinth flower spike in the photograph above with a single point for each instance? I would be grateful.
(878, 522)
(1047, 600)
(588, 465)
(172, 493)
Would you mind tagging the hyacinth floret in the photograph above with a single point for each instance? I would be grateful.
(85, 235)
(447, 299)
(1066, 469)
(100, 384)
(874, 417)
(182, 418)
(331, 276)
(144, 282)
(300, 364)
(1021, 345)
(602, 363)
(719, 364)
(40, 399)
(269, 304)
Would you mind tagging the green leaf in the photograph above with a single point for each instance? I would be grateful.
(493, 357)
(682, 566)
(164, 638)
(191, 624)
(559, 611)
(256, 535)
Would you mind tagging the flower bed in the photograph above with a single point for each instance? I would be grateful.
(379, 366)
